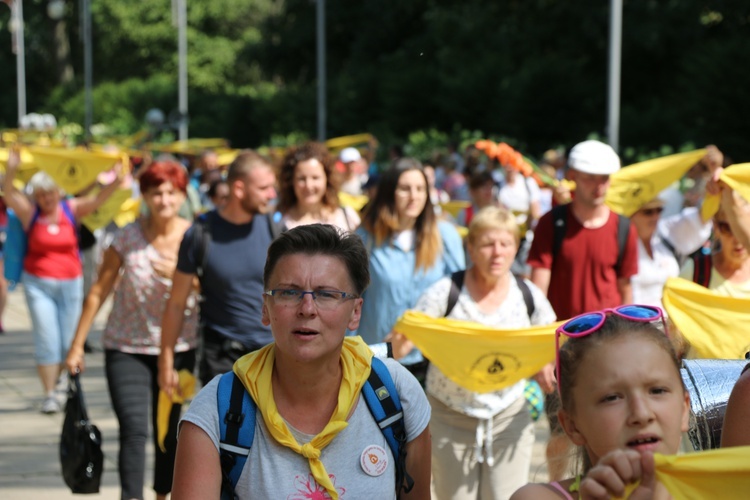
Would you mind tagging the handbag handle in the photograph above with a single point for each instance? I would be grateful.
(75, 386)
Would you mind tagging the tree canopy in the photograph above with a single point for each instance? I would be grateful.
(531, 70)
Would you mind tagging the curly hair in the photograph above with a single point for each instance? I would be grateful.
(295, 156)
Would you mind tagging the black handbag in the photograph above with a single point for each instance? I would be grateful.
(81, 454)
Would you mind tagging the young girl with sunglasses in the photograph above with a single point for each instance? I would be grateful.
(622, 399)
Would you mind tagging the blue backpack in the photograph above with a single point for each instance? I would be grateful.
(238, 424)
(16, 244)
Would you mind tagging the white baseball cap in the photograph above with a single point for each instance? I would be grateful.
(349, 154)
(594, 157)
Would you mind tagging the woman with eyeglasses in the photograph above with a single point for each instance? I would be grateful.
(308, 189)
(314, 433)
(622, 400)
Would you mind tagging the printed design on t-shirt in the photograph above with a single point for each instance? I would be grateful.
(309, 489)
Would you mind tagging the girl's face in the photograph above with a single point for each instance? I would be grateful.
(730, 245)
(411, 194)
(309, 182)
(628, 394)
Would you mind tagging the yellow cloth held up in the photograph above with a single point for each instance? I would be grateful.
(723, 473)
(633, 186)
(453, 207)
(476, 357)
(185, 392)
(736, 177)
(716, 326)
(357, 202)
(255, 371)
(108, 210)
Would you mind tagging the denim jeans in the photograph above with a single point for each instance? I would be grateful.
(55, 307)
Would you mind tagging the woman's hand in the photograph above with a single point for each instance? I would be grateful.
(164, 266)
(546, 378)
(14, 161)
(615, 471)
(400, 345)
(75, 360)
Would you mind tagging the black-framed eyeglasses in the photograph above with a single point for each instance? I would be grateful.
(324, 299)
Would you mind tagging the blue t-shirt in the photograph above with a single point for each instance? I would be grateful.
(232, 283)
(395, 286)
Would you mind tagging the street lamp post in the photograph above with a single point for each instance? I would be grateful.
(182, 106)
(613, 87)
(16, 26)
(88, 62)
(320, 46)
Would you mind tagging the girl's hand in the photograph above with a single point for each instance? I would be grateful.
(617, 470)
(75, 360)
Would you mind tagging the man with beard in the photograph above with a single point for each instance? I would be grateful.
(226, 250)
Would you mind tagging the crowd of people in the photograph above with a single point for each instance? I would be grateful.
(265, 271)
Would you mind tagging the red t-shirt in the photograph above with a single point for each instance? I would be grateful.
(53, 252)
(584, 275)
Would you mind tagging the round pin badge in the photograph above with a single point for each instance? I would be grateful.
(374, 460)
(53, 229)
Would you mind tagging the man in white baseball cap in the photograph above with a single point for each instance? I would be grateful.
(355, 171)
(583, 256)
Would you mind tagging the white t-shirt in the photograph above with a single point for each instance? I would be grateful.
(345, 218)
(686, 233)
(519, 196)
(512, 313)
(275, 471)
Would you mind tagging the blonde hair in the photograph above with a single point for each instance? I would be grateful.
(493, 218)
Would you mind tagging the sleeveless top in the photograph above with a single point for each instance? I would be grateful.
(52, 250)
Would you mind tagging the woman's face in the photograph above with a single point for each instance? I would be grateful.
(47, 200)
(411, 195)
(309, 182)
(492, 252)
(303, 331)
(163, 200)
(731, 248)
(484, 195)
(646, 220)
(627, 394)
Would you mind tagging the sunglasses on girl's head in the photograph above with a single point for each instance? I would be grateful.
(588, 323)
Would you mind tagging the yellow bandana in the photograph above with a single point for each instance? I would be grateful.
(477, 357)
(255, 371)
(722, 473)
(736, 177)
(714, 325)
(633, 186)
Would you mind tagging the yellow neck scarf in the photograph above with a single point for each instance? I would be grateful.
(255, 371)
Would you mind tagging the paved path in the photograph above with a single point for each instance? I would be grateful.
(29, 440)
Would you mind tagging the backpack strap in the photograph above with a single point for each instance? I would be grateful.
(457, 282)
(528, 299)
(237, 430)
(385, 406)
(559, 226)
(623, 229)
(201, 242)
(702, 265)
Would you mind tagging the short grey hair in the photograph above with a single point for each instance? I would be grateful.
(41, 181)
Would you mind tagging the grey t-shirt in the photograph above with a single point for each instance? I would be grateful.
(275, 471)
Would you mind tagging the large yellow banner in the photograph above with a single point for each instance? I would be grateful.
(477, 357)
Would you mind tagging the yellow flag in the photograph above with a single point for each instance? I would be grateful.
(476, 357)
(189, 146)
(455, 206)
(226, 156)
(128, 212)
(336, 144)
(186, 391)
(352, 201)
(715, 325)
(633, 186)
(73, 169)
(722, 473)
(738, 178)
(26, 170)
(108, 210)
